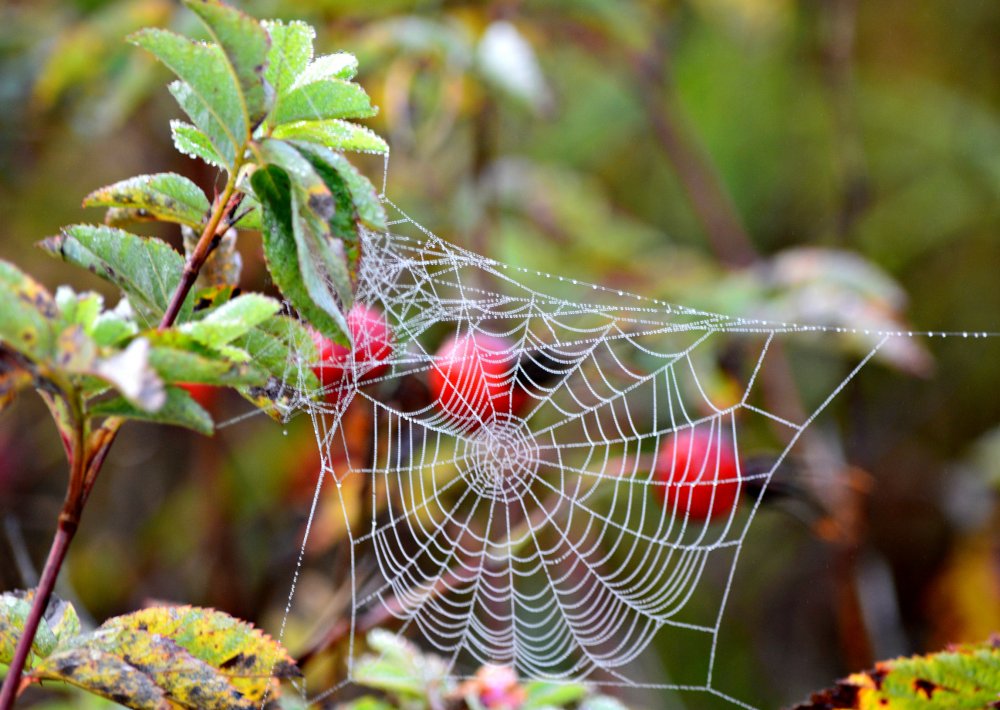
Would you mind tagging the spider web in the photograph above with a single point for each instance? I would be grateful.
(539, 540)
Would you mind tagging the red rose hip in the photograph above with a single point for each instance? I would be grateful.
(372, 348)
(699, 474)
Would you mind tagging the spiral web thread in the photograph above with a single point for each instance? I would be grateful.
(539, 540)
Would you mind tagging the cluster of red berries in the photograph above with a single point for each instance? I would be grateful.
(473, 380)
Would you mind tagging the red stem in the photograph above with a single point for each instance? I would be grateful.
(57, 553)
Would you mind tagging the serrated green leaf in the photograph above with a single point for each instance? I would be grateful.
(164, 196)
(232, 319)
(191, 142)
(27, 313)
(178, 410)
(367, 205)
(963, 678)
(334, 133)
(273, 188)
(250, 659)
(285, 355)
(321, 100)
(291, 50)
(175, 366)
(146, 269)
(342, 65)
(208, 91)
(245, 44)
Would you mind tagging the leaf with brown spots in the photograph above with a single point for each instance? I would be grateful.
(248, 658)
(962, 678)
(26, 314)
(165, 196)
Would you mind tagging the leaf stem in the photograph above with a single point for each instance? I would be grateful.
(69, 521)
(86, 454)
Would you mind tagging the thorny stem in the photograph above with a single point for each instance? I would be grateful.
(87, 454)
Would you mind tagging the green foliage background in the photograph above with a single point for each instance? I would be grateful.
(867, 127)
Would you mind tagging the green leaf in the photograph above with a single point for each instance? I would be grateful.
(146, 269)
(273, 188)
(602, 702)
(175, 364)
(342, 65)
(334, 133)
(291, 50)
(245, 44)
(232, 319)
(541, 694)
(963, 678)
(208, 91)
(248, 658)
(282, 346)
(178, 410)
(366, 201)
(191, 142)
(165, 196)
(26, 314)
(320, 100)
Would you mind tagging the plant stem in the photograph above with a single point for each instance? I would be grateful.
(87, 457)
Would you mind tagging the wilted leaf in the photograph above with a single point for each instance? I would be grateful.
(106, 675)
(165, 196)
(13, 379)
(273, 188)
(27, 313)
(224, 264)
(334, 133)
(146, 269)
(132, 374)
(320, 100)
(195, 144)
(208, 91)
(178, 410)
(965, 677)
(58, 624)
(250, 659)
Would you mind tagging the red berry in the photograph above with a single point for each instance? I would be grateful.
(372, 347)
(472, 379)
(700, 475)
(205, 395)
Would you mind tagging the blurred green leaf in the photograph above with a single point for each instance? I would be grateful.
(245, 44)
(541, 694)
(27, 313)
(334, 133)
(165, 196)
(178, 410)
(58, 624)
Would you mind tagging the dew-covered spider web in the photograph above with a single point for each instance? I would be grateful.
(536, 536)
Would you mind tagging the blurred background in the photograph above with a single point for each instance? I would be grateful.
(823, 161)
